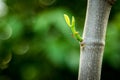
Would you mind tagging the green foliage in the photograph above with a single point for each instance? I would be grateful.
(112, 50)
(36, 44)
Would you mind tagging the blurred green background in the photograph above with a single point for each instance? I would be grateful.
(36, 43)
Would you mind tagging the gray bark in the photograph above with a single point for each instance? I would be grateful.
(92, 47)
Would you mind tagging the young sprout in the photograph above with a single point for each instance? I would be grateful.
(71, 25)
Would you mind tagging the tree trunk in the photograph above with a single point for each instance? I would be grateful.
(92, 47)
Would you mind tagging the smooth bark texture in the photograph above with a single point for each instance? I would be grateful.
(92, 47)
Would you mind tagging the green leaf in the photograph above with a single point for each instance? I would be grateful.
(67, 19)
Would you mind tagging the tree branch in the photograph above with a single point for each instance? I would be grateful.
(111, 2)
(92, 47)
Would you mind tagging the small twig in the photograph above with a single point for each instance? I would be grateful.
(71, 25)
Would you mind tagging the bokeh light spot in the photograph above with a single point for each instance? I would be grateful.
(3, 8)
(21, 48)
(5, 32)
(46, 2)
(4, 61)
(29, 72)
